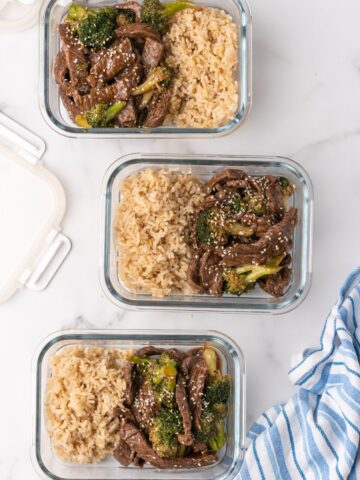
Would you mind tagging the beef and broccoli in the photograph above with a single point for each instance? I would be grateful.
(110, 69)
(176, 407)
(243, 235)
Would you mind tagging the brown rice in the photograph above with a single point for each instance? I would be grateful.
(202, 49)
(84, 395)
(153, 230)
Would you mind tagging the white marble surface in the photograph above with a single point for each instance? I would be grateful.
(306, 106)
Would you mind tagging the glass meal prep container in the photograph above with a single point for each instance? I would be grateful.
(48, 466)
(55, 115)
(205, 166)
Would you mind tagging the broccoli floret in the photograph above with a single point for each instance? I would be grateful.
(218, 389)
(240, 279)
(164, 431)
(215, 226)
(156, 13)
(159, 77)
(214, 404)
(125, 16)
(100, 115)
(160, 376)
(212, 426)
(95, 26)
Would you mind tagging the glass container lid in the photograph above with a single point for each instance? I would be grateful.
(32, 206)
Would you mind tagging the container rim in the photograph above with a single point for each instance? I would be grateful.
(194, 160)
(130, 334)
(245, 90)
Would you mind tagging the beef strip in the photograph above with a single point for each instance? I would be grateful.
(112, 61)
(127, 117)
(275, 284)
(135, 6)
(138, 443)
(128, 414)
(208, 202)
(130, 389)
(61, 70)
(210, 273)
(260, 225)
(144, 407)
(75, 57)
(152, 53)
(118, 91)
(193, 277)
(69, 104)
(222, 178)
(158, 108)
(274, 197)
(124, 454)
(136, 30)
(199, 446)
(275, 242)
(183, 405)
(198, 374)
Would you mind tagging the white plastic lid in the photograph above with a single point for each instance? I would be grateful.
(18, 15)
(32, 206)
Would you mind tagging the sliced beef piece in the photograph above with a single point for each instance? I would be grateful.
(135, 6)
(263, 224)
(124, 454)
(127, 117)
(61, 70)
(152, 53)
(260, 225)
(198, 446)
(137, 30)
(127, 414)
(74, 54)
(118, 91)
(275, 284)
(144, 407)
(224, 194)
(274, 197)
(183, 405)
(158, 108)
(198, 374)
(193, 276)
(69, 104)
(130, 384)
(275, 242)
(120, 55)
(222, 178)
(138, 442)
(210, 273)
(208, 202)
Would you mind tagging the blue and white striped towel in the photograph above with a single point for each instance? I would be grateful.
(316, 434)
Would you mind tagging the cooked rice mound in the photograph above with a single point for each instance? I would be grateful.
(202, 49)
(153, 231)
(83, 398)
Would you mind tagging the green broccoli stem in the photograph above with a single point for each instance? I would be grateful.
(171, 8)
(114, 110)
(139, 360)
(211, 360)
(259, 271)
(218, 441)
